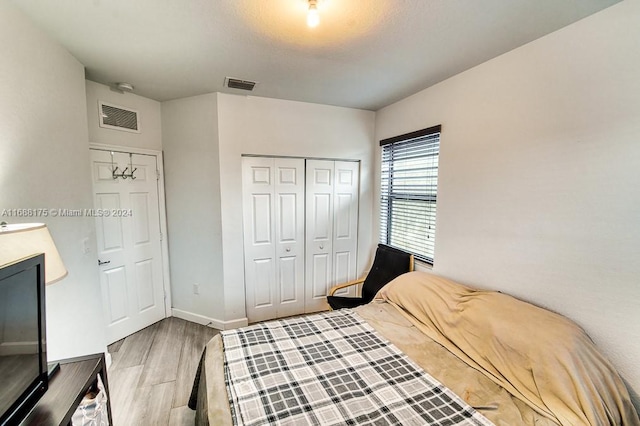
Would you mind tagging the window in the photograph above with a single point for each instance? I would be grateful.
(409, 190)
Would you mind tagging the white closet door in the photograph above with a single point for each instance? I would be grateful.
(289, 216)
(259, 240)
(273, 191)
(331, 228)
(319, 228)
(345, 224)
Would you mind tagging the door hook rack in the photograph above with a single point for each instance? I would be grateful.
(123, 174)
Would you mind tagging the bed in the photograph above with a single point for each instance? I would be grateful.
(458, 356)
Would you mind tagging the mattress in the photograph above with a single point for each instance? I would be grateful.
(492, 401)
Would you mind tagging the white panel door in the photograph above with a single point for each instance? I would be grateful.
(319, 233)
(289, 218)
(128, 235)
(259, 241)
(331, 229)
(273, 209)
(345, 224)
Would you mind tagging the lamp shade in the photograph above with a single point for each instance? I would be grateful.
(21, 240)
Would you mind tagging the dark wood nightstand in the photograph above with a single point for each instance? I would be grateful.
(67, 388)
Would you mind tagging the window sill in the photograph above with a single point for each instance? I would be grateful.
(420, 265)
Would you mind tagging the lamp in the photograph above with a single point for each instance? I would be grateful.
(313, 18)
(21, 240)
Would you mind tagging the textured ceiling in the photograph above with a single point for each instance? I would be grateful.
(364, 54)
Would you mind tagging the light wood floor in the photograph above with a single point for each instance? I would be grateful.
(152, 372)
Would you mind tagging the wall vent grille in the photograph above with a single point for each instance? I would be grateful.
(234, 83)
(118, 118)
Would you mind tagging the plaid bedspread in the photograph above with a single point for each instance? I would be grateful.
(328, 369)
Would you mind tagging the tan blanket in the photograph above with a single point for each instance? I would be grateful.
(539, 356)
(494, 402)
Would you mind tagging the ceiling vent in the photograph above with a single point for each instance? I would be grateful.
(118, 118)
(235, 83)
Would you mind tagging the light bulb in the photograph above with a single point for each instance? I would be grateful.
(313, 18)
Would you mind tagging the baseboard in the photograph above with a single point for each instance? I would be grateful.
(18, 348)
(211, 322)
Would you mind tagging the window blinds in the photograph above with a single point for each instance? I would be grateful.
(409, 188)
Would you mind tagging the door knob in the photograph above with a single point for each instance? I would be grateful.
(288, 249)
(103, 263)
(321, 247)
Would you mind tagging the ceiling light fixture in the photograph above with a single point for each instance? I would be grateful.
(313, 18)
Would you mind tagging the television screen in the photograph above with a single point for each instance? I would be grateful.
(23, 366)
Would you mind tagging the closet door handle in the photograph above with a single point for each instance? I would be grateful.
(288, 249)
(103, 263)
(321, 247)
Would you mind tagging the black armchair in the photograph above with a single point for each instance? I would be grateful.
(387, 265)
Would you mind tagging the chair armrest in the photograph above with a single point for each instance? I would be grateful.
(347, 284)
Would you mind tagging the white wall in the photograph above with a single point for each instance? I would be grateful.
(192, 187)
(44, 163)
(539, 187)
(150, 136)
(253, 125)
